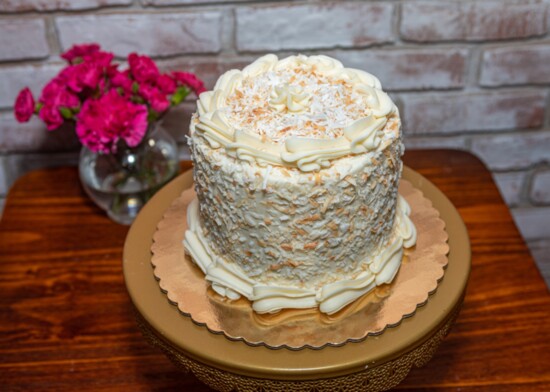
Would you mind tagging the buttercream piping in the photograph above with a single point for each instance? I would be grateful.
(261, 65)
(228, 280)
(289, 98)
(362, 135)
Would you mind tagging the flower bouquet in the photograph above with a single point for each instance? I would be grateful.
(126, 156)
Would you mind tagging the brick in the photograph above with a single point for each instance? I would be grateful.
(309, 26)
(19, 164)
(49, 5)
(160, 3)
(3, 177)
(516, 65)
(540, 249)
(151, 34)
(471, 21)
(540, 187)
(461, 112)
(14, 78)
(208, 69)
(23, 38)
(177, 121)
(33, 136)
(513, 151)
(411, 69)
(419, 142)
(533, 221)
(511, 186)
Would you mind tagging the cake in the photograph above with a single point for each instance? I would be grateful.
(296, 170)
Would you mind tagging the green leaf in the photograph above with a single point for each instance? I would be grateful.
(66, 112)
(37, 107)
(135, 87)
(152, 116)
(181, 93)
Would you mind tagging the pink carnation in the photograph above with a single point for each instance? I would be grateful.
(166, 84)
(51, 116)
(89, 73)
(103, 121)
(79, 51)
(24, 105)
(142, 68)
(55, 96)
(154, 97)
(121, 80)
(81, 76)
(190, 80)
(102, 59)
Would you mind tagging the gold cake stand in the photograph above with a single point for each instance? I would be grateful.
(377, 363)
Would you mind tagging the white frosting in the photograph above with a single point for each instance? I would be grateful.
(289, 98)
(230, 281)
(215, 123)
(296, 169)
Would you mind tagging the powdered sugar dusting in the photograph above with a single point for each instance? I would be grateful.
(333, 105)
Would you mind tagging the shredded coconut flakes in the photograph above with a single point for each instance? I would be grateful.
(334, 104)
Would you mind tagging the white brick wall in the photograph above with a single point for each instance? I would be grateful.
(471, 75)
(512, 186)
(480, 111)
(540, 187)
(23, 38)
(311, 26)
(513, 150)
(412, 69)
(48, 5)
(513, 65)
(15, 77)
(471, 21)
(155, 34)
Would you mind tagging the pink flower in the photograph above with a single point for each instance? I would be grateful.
(102, 59)
(51, 116)
(108, 105)
(79, 51)
(81, 76)
(156, 99)
(142, 68)
(122, 80)
(190, 80)
(57, 94)
(104, 121)
(90, 72)
(166, 84)
(24, 105)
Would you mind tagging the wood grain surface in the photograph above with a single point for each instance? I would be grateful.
(66, 321)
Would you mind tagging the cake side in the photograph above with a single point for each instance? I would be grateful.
(297, 228)
(297, 205)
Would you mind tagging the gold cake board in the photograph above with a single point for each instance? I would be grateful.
(374, 364)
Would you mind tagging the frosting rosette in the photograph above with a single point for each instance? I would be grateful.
(297, 112)
(296, 167)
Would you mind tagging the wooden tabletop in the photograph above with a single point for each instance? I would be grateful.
(66, 321)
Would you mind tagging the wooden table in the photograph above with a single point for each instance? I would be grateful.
(66, 321)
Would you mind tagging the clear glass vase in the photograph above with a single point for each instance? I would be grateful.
(121, 183)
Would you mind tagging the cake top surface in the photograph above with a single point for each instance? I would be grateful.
(296, 100)
(300, 112)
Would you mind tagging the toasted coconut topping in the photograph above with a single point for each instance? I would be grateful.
(333, 104)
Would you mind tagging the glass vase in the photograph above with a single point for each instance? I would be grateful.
(122, 182)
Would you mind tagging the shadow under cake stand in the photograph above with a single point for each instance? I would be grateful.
(374, 364)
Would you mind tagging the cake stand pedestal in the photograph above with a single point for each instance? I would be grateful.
(375, 364)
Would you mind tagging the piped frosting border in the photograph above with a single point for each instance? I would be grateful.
(229, 281)
(306, 154)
